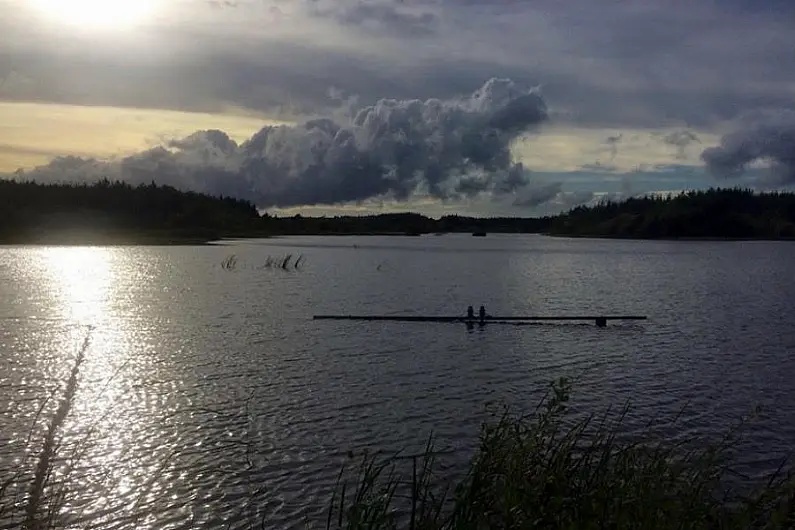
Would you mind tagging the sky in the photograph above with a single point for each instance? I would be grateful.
(475, 107)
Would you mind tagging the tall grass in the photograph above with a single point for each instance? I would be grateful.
(546, 471)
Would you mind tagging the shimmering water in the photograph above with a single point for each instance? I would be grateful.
(202, 388)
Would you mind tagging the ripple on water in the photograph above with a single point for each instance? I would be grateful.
(209, 398)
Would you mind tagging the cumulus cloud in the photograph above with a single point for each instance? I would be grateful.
(765, 138)
(446, 149)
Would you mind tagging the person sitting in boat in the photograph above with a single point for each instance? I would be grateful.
(482, 314)
(470, 313)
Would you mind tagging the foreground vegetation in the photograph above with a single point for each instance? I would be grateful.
(544, 471)
(715, 213)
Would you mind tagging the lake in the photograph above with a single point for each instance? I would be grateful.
(201, 387)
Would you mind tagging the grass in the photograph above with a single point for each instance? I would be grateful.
(546, 471)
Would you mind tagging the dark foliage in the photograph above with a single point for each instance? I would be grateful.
(402, 224)
(116, 212)
(714, 213)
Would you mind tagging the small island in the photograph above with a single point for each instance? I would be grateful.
(114, 213)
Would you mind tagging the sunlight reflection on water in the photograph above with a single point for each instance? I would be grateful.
(82, 281)
(110, 443)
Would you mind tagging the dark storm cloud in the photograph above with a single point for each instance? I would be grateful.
(378, 15)
(447, 149)
(611, 64)
(767, 138)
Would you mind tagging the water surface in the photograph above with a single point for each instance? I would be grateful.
(202, 388)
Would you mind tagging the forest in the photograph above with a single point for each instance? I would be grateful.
(108, 212)
(401, 224)
(711, 214)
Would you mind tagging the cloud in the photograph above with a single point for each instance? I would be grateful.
(612, 142)
(28, 150)
(378, 16)
(445, 149)
(538, 195)
(767, 138)
(608, 64)
(598, 167)
(571, 199)
(14, 84)
(681, 140)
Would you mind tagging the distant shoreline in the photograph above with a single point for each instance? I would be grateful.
(704, 239)
(115, 240)
(171, 241)
(116, 213)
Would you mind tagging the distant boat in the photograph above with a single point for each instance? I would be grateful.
(479, 234)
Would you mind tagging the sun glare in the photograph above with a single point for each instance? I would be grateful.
(83, 279)
(97, 14)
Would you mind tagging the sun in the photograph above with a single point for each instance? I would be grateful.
(97, 14)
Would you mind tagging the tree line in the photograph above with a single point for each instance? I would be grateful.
(401, 224)
(713, 213)
(108, 212)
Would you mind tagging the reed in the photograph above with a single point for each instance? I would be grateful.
(229, 263)
(288, 262)
(545, 470)
(549, 469)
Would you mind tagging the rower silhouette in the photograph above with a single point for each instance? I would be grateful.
(482, 314)
(470, 313)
